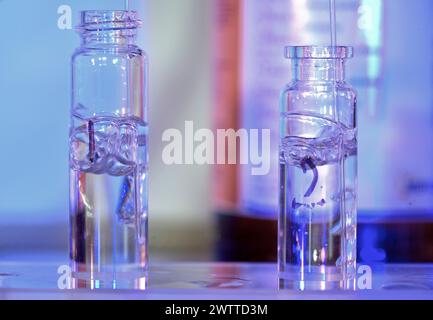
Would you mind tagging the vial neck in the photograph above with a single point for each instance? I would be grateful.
(319, 69)
(104, 38)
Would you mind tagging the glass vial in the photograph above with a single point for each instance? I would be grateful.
(108, 154)
(318, 172)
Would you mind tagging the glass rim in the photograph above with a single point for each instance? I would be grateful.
(93, 20)
(319, 52)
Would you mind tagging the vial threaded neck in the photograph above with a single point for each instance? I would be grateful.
(105, 27)
(103, 20)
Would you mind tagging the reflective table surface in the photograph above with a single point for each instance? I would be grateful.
(39, 276)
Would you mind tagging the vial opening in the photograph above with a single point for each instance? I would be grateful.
(318, 52)
(98, 20)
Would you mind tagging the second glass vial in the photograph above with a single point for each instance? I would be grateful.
(318, 172)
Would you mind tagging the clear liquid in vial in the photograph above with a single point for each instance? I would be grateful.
(108, 195)
(317, 239)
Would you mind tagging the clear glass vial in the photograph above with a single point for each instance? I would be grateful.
(318, 172)
(108, 154)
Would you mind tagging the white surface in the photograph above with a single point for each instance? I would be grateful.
(26, 277)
